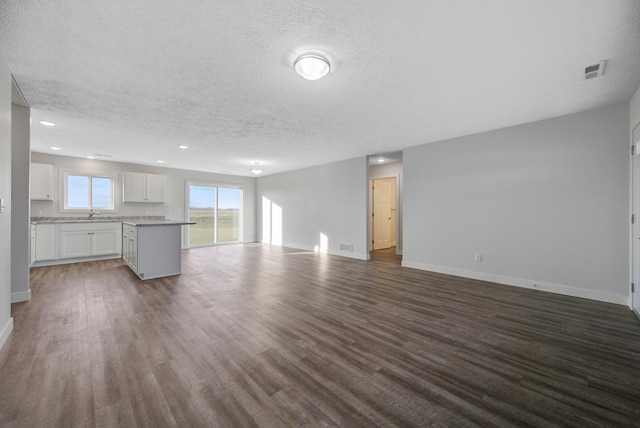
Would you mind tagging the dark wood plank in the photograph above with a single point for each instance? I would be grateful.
(266, 336)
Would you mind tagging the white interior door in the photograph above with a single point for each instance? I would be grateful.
(635, 296)
(381, 214)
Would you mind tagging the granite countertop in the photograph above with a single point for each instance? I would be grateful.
(96, 219)
(77, 220)
(156, 222)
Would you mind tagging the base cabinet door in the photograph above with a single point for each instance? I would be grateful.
(130, 246)
(75, 243)
(105, 242)
(45, 242)
(133, 248)
(125, 248)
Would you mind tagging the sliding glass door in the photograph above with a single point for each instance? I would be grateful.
(228, 219)
(217, 212)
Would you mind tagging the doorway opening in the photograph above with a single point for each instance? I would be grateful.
(385, 207)
(383, 213)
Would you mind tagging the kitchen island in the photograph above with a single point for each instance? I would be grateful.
(151, 248)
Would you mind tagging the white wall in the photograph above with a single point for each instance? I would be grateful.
(546, 204)
(173, 208)
(20, 228)
(295, 208)
(393, 169)
(6, 322)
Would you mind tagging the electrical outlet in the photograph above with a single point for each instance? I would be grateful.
(478, 257)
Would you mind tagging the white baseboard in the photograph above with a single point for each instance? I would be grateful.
(6, 331)
(566, 290)
(332, 252)
(23, 296)
(76, 260)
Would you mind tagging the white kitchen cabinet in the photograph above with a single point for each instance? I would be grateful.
(89, 239)
(130, 246)
(139, 187)
(156, 188)
(32, 248)
(153, 248)
(106, 241)
(46, 242)
(41, 182)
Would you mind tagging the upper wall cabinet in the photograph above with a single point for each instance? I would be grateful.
(41, 182)
(139, 187)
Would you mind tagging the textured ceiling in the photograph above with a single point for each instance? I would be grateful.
(133, 79)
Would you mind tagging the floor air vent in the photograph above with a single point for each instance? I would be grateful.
(346, 247)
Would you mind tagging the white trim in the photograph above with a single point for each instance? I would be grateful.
(396, 177)
(55, 262)
(350, 255)
(633, 205)
(524, 283)
(113, 176)
(187, 195)
(23, 296)
(6, 331)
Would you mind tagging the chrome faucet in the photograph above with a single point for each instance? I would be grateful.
(92, 213)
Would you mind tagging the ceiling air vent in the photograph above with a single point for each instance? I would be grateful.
(594, 70)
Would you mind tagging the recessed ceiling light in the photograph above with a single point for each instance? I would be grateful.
(90, 157)
(54, 148)
(256, 169)
(160, 161)
(46, 123)
(380, 160)
(312, 66)
(182, 146)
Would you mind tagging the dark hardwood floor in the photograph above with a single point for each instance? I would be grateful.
(266, 336)
(387, 255)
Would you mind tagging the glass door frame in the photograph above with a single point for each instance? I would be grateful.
(216, 186)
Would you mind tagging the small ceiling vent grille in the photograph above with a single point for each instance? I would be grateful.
(594, 70)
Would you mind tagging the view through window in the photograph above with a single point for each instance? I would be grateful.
(217, 213)
(85, 192)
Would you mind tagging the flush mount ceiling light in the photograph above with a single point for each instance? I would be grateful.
(183, 147)
(46, 123)
(312, 66)
(256, 169)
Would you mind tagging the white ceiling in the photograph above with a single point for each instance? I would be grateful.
(133, 79)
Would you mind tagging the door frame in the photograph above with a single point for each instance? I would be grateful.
(634, 296)
(370, 210)
(217, 185)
